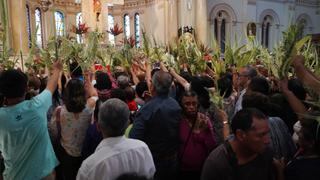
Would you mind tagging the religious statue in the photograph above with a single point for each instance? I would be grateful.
(97, 8)
(251, 29)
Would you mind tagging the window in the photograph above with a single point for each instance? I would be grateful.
(137, 29)
(220, 28)
(28, 26)
(265, 31)
(78, 22)
(223, 35)
(126, 26)
(59, 20)
(38, 27)
(111, 25)
(251, 29)
(77, 1)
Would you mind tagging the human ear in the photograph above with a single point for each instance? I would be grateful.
(240, 135)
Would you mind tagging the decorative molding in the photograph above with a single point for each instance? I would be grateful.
(252, 2)
(223, 7)
(308, 2)
(307, 18)
(271, 13)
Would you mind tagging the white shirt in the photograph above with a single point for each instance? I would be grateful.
(116, 156)
(238, 106)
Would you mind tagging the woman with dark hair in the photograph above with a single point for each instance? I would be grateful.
(73, 119)
(103, 85)
(196, 136)
(307, 162)
(201, 85)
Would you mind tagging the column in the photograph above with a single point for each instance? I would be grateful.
(202, 21)
(88, 14)
(172, 20)
(219, 20)
(18, 26)
(90, 8)
(103, 19)
(264, 35)
(186, 12)
(48, 25)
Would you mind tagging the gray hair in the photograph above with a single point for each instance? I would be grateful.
(113, 117)
(123, 81)
(162, 82)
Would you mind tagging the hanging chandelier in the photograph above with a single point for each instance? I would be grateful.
(44, 5)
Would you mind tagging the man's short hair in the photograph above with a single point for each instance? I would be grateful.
(114, 117)
(251, 71)
(13, 83)
(162, 82)
(123, 81)
(244, 118)
(259, 84)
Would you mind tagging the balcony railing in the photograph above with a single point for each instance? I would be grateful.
(308, 2)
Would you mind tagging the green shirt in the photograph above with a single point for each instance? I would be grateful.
(24, 139)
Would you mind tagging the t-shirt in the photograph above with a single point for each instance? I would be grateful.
(303, 169)
(24, 139)
(222, 164)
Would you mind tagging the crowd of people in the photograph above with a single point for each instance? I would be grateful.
(156, 123)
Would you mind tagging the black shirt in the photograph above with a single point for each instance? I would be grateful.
(222, 164)
(303, 169)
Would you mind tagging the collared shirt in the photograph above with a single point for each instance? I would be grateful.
(116, 156)
(24, 139)
(157, 124)
(238, 106)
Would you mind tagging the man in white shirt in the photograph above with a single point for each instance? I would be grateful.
(116, 154)
(245, 75)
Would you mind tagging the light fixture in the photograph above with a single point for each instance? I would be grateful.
(44, 5)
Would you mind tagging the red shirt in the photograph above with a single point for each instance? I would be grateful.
(197, 148)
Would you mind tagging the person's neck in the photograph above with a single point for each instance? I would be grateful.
(190, 119)
(14, 101)
(242, 153)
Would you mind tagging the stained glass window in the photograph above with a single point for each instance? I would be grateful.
(126, 26)
(38, 27)
(28, 25)
(59, 20)
(78, 22)
(137, 29)
(111, 25)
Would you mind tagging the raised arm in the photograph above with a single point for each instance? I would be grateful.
(294, 102)
(54, 77)
(134, 76)
(307, 77)
(180, 79)
(148, 75)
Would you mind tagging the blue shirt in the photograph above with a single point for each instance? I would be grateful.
(157, 124)
(24, 139)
